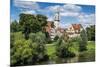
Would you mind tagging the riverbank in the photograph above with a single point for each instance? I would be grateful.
(85, 56)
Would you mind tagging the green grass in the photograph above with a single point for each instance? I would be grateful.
(91, 45)
(50, 49)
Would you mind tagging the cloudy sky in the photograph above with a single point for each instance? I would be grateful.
(69, 13)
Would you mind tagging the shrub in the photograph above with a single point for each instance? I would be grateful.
(91, 32)
(62, 48)
(15, 36)
(26, 52)
(21, 53)
(56, 38)
(48, 39)
(39, 43)
(32, 36)
(40, 40)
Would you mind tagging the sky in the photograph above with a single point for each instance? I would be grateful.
(69, 13)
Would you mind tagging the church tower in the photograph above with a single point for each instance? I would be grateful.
(56, 19)
(54, 31)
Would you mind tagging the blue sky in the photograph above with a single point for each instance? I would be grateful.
(69, 13)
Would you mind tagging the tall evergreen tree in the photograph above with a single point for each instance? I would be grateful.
(83, 41)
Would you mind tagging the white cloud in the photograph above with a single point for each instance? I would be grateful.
(26, 4)
(29, 12)
(27, 7)
(72, 8)
(54, 8)
(69, 13)
(87, 18)
(64, 8)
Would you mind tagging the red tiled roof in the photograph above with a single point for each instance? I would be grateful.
(76, 26)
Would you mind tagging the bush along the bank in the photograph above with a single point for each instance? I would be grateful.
(40, 41)
(28, 52)
(62, 47)
(21, 53)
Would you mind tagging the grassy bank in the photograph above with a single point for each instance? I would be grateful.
(90, 49)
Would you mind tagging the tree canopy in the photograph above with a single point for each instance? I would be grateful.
(91, 33)
(32, 23)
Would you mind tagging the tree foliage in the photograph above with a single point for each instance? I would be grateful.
(32, 23)
(14, 26)
(31, 51)
(91, 33)
(62, 47)
(41, 43)
(83, 41)
(21, 52)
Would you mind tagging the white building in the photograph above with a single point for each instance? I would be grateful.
(74, 30)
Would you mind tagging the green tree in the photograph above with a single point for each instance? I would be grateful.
(91, 33)
(56, 38)
(14, 26)
(11, 40)
(83, 41)
(62, 47)
(32, 23)
(32, 36)
(15, 36)
(21, 53)
(40, 40)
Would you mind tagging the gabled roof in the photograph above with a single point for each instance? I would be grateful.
(76, 26)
